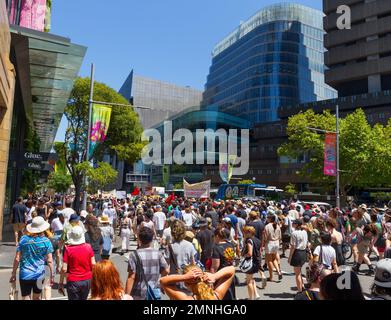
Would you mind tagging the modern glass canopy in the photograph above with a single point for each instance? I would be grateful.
(54, 63)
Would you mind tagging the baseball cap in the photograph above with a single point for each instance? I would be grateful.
(383, 273)
(74, 217)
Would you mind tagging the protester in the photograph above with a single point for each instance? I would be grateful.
(325, 254)
(365, 237)
(298, 252)
(205, 239)
(330, 290)
(381, 288)
(252, 250)
(18, 218)
(272, 238)
(125, 233)
(107, 234)
(94, 236)
(203, 286)
(159, 219)
(182, 253)
(223, 255)
(106, 283)
(33, 251)
(317, 273)
(68, 211)
(146, 265)
(78, 261)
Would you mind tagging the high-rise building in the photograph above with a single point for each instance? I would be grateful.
(156, 100)
(275, 58)
(359, 59)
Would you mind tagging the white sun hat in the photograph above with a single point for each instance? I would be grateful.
(38, 225)
(76, 236)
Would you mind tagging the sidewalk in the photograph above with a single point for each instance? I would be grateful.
(7, 255)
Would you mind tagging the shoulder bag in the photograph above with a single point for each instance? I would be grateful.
(246, 264)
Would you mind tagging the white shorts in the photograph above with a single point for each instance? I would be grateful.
(272, 247)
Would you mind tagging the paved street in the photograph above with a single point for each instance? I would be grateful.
(285, 290)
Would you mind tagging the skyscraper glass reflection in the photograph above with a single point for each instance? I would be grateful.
(275, 58)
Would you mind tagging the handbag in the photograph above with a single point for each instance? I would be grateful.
(152, 293)
(13, 294)
(246, 264)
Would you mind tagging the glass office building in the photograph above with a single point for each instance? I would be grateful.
(276, 58)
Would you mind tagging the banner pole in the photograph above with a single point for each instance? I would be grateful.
(338, 198)
(90, 104)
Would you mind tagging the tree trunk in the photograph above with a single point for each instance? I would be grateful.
(77, 203)
(343, 197)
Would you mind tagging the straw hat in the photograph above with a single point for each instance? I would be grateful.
(104, 219)
(38, 225)
(76, 236)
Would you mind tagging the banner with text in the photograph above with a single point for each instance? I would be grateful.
(330, 155)
(197, 190)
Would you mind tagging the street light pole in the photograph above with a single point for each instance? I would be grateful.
(338, 198)
(90, 103)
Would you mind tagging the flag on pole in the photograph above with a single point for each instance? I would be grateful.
(101, 116)
(226, 168)
(330, 155)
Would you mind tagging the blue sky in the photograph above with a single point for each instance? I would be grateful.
(167, 40)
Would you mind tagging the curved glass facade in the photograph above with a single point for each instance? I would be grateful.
(276, 58)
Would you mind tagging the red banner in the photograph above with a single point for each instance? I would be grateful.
(330, 155)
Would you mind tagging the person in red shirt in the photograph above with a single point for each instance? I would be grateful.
(78, 262)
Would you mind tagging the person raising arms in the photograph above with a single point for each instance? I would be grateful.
(198, 283)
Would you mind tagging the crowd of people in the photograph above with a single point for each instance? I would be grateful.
(191, 249)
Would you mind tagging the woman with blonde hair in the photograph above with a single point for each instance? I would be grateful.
(106, 283)
(203, 286)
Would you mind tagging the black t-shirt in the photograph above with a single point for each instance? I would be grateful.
(18, 213)
(214, 216)
(256, 243)
(225, 252)
(259, 226)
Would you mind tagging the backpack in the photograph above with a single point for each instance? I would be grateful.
(106, 246)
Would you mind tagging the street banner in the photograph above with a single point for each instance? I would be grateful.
(330, 155)
(226, 169)
(120, 195)
(159, 190)
(197, 190)
(32, 14)
(101, 116)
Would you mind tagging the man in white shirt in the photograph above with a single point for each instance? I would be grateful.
(111, 213)
(57, 225)
(293, 214)
(159, 219)
(68, 211)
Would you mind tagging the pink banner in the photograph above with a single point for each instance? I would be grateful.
(32, 14)
(330, 155)
(12, 16)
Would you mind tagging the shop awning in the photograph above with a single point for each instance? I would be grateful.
(53, 64)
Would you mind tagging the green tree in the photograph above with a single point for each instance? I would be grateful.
(178, 186)
(365, 152)
(290, 189)
(100, 177)
(124, 134)
(246, 182)
(59, 182)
